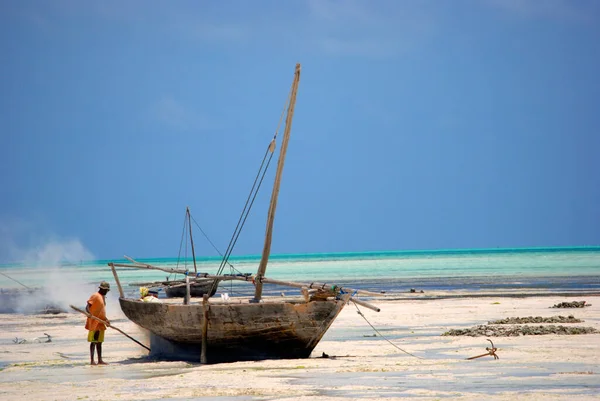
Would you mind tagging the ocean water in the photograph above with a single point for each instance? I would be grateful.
(548, 269)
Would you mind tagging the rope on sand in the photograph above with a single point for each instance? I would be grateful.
(381, 335)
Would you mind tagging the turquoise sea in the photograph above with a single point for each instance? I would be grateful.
(391, 271)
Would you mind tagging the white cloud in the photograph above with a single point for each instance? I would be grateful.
(211, 32)
(546, 9)
(349, 11)
(368, 29)
(172, 113)
(356, 47)
(175, 115)
(331, 27)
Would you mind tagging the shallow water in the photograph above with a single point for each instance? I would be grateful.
(537, 268)
(461, 379)
(80, 371)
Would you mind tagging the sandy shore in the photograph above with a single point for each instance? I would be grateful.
(361, 366)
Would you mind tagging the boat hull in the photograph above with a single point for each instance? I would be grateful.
(239, 331)
(197, 289)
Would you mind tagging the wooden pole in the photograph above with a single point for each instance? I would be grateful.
(365, 304)
(204, 327)
(141, 265)
(262, 267)
(108, 325)
(317, 286)
(186, 299)
(183, 272)
(114, 271)
(150, 267)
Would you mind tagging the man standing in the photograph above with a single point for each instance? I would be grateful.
(96, 306)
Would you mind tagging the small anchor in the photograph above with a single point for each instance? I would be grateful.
(490, 351)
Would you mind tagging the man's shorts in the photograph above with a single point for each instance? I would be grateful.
(96, 336)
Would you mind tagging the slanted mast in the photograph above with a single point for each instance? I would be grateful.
(262, 267)
(189, 217)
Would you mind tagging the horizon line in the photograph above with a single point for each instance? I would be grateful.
(339, 254)
(398, 251)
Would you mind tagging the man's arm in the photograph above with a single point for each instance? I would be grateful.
(88, 304)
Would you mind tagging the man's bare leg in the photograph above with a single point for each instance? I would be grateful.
(99, 348)
(92, 347)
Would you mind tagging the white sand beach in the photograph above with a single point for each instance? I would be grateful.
(360, 365)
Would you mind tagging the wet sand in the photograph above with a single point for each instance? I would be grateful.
(547, 367)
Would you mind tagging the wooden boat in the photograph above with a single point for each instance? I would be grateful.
(252, 328)
(194, 287)
(198, 289)
(240, 331)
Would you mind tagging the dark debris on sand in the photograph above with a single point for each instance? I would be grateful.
(515, 331)
(574, 304)
(537, 319)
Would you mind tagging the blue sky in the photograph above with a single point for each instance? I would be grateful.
(419, 124)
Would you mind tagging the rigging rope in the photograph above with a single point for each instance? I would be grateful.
(245, 213)
(15, 280)
(381, 335)
(211, 243)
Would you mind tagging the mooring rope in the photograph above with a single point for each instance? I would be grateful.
(15, 280)
(381, 335)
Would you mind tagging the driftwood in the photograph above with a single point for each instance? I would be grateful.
(46, 339)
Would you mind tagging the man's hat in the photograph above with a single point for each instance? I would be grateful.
(104, 286)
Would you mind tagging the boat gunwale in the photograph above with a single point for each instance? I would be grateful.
(233, 301)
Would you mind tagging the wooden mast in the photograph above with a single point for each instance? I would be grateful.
(262, 267)
(187, 210)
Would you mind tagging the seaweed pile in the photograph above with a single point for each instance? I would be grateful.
(519, 330)
(574, 304)
(537, 319)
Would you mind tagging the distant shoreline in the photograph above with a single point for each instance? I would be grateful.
(464, 295)
(336, 255)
